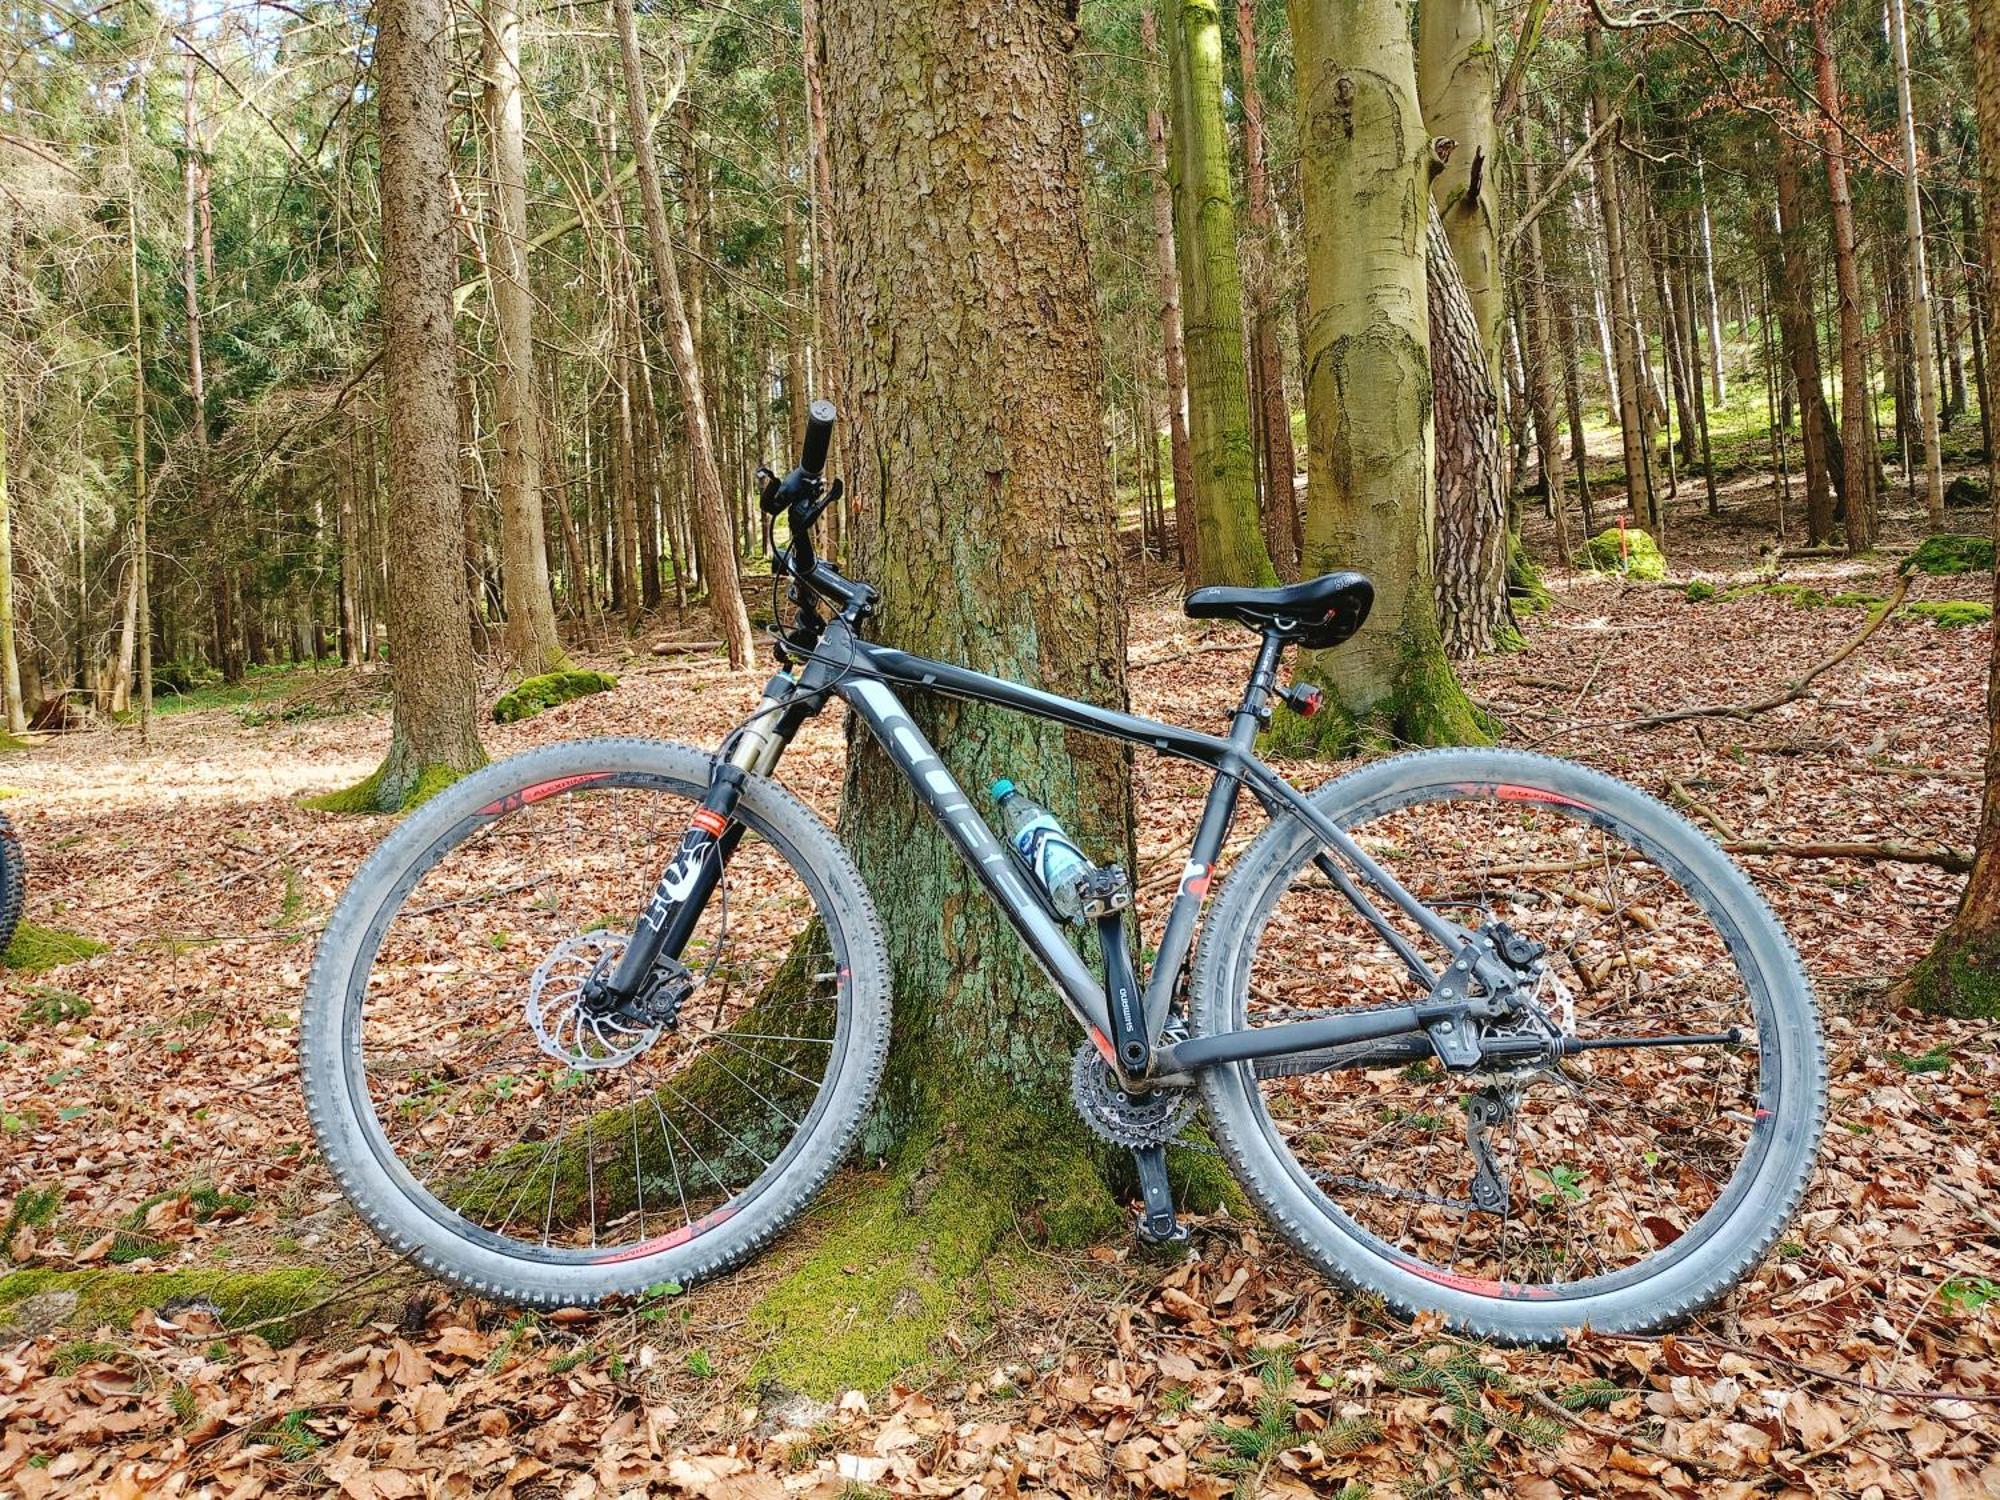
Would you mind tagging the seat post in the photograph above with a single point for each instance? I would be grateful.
(1254, 712)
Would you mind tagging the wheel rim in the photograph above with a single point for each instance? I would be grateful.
(1619, 1166)
(505, 1146)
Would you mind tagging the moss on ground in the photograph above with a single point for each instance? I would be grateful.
(1631, 552)
(10, 741)
(534, 694)
(1948, 553)
(1956, 978)
(1949, 614)
(35, 948)
(366, 795)
(903, 1260)
(1526, 590)
(1700, 591)
(1968, 493)
(109, 1298)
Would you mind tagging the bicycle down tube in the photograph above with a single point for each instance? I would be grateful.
(866, 680)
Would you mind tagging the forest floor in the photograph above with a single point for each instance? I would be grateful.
(190, 1309)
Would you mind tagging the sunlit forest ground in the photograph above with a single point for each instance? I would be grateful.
(190, 1296)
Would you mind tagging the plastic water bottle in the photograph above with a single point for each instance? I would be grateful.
(1034, 832)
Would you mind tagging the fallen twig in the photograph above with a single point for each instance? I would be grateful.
(1791, 692)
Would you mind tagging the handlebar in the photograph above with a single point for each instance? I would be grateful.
(799, 491)
(820, 417)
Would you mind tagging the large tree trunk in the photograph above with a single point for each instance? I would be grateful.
(432, 735)
(1856, 398)
(1473, 612)
(715, 545)
(1172, 336)
(1919, 273)
(990, 527)
(10, 661)
(1961, 975)
(1273, 412)
(1625, 345)
(1457, 78)
(1371, 491)
(1229, 541)
(533, 644)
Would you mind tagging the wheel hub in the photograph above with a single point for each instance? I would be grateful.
(569, 1017)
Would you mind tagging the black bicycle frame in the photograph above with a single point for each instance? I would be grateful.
(867, 677)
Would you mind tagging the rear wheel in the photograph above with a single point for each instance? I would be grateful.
(1622, 1188)
(485, 1114)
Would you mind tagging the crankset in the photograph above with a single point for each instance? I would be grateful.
(1134, 1121)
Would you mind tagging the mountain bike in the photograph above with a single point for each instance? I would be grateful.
(1482, 1032)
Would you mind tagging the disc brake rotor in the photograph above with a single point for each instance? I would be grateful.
(565, 1027)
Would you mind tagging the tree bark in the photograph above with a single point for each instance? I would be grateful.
(432, 735)
(1229, 541)
(1791, 282)
(1718, 383)
(10, 660)
(1172, 335)
(1624, 335)
(1919, 273)
(533, 643)
(1457, 76)
(1961, 974)
(1371, 489)
(1473, 611)
(714, 544)
(1540, 351)
(957, 201)
(1856, 398)
(1280, 505)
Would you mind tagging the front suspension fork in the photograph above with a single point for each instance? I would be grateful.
(681, 895)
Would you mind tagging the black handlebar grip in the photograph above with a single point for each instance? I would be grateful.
(819, 436)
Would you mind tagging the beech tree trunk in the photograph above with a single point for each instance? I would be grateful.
(1371, 490)
(1961, 975)
(10, 661)
(715, 545)
(1172, 336)
(1273, 415)
(432, 735)
(1457, 77)
(1856, 398)
(957, 201)
(1228, 538)
(533, 644)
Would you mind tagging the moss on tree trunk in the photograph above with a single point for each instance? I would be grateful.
(969, 340)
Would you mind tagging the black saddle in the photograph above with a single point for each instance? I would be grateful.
(1317, 613)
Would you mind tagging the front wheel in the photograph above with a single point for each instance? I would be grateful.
(1621, 1188)
(488, 1115)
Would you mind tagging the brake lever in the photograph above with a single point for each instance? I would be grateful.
(811, 513)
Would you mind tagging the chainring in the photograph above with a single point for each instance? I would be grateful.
(1134, 1121)
(564, 1026)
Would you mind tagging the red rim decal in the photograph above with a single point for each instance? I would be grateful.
(540, 790)
(667, 1241)
(1508, 792)
(1479, 1286)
